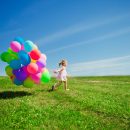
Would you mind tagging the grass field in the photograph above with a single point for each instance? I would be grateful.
(95, 103)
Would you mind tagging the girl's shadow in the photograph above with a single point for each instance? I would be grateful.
(13, 94)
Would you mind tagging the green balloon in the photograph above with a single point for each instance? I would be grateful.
(28, 83)
(9, 50)
(45, 77)
(15, 54)
(8, 70)
(7, 56)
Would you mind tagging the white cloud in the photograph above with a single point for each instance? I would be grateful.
(79, 28)
(113, 66)
(103, 37)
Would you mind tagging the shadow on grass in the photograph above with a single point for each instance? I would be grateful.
(44, 90)
(13, 94)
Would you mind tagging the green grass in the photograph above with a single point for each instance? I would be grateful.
(95, 103)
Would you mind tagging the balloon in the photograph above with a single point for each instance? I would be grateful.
(28, 82)
(22, 47)
(39, 69)
(20, 40)
(18, 82)
(43, 57)
(41, 63)
(34, 61)
(25, 70)
(35, 54)
(15, 54)
(5, 57)
(28, 46)
(9, 70)
(36, 77)
(15, 46)
(35, 46)
(26, 63)
(43, 70)
(20, 74)
(45, 77)
(24, 58)
(15, 64)
(32, 68)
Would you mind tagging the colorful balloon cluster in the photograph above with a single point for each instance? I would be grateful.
(26, 63)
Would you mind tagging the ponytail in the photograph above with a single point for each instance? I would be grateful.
(60, 63)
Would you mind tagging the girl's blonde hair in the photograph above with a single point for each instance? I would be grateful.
(62, 62)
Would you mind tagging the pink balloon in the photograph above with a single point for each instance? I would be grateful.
(36, 77)
(43, 70)
(39, 69)
(15, 46)
(32, 68)
(43, 57)
(22, 47)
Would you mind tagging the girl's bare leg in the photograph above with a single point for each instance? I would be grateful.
(65, 85)
(57, 84)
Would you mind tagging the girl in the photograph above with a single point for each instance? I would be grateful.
(61, 75)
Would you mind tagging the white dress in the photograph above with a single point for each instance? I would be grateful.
(62, 75)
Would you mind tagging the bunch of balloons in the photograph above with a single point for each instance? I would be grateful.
(26, 64)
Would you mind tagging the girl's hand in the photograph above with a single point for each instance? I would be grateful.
(55, 71)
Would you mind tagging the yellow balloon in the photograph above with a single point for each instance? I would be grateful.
(33, 61)
(8, 70)
(35, 46)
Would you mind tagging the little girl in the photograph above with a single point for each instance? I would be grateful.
(61, 75)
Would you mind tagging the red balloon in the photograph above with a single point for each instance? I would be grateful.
(35, 54)
(32, 68)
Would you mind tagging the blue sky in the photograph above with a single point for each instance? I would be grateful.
(93, 35)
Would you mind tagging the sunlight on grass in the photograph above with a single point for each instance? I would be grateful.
(92, 103)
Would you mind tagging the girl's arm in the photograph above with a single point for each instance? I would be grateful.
(58, 70)
(61, 69)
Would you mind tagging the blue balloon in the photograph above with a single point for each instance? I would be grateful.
(28, 46)
(18, 82)
(24, 58)
(15, 64)
(20, 40)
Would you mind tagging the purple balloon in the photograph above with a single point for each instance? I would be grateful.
(41, 63)
(15, 71)
(20, 74)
